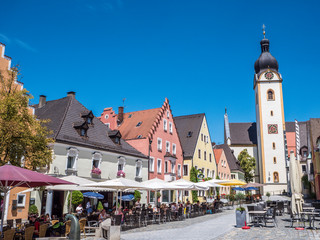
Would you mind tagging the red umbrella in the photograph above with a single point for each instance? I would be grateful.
(12, 176)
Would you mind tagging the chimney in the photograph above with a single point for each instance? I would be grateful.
(71, 94)
(120, 115)
(42, 101)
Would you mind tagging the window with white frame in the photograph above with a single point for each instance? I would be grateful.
(96, 160)
(151, 164)
(138, 168)
(170, 127)
(165, 125)
(166, 166)
(21, 200)
(179, 170)
(185, 170)
(159, 166)
(213, 176)
(159, 144)
(205, 155)
(186, 193)
(168, 113)
(121, 163)
(174, 149)
(72, 156)
(173, 168)
(167, 146)
(208, 173)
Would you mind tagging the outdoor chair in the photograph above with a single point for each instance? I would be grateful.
(53, 222)
(117, 220)
(10, 222)
(9, 234)
(68, 226)
(82, 223)
(162, 216)
(251, 216)
(142, 218)
(28, 233)
(280, 208)
(42, 230)
(270, 217)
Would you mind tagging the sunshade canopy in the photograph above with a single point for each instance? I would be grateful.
(233, 182)
(252, 184)
(127, 198)
(187, 185)
(118, 184)
(93, 195)
(208, 184)
(157, 184)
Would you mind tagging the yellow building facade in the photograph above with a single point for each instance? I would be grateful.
(195, 139)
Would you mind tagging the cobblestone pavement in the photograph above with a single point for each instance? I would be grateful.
(219, 226)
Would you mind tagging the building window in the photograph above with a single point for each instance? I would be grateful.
(170, 127)
(167, 146)
(106, 116)
(121, 163)
(173, 168)
(275, 177)
(233, 176)
(166, 166)
(186, 193)
(305, 154)
(205, 155)
(138, 168)
(159, 144)
(270, 95)
(189, 134)
(96, 160)
(72, 159)
(165, 125)
(210, 157)
(271, 113)
(108, 125)
(138, 124)
(274, 160)
(213, 176)
(273, 145)
(21, 200)
(304, 169)
(179, 170)
(196, 167)
(199, 153)
(201, 137)
(208, 172)
(151, 164)
(174, 149)
(185, 170)
(168, 113)
(159, 166)
(83, 132)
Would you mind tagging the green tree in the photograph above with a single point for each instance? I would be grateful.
(194, 178)
(248, 164)
(137, 195)
(22, 136)
(77, 198)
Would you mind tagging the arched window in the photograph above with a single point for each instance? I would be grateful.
(270, 94)
(275, 177)
(273, 145)
(274, 160)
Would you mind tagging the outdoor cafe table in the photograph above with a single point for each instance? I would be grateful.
(259, 215)
(308, 209)
(310, 216)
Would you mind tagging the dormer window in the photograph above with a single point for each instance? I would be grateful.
(189, 134)
(83, 132)
(139, 136)
(138, 124)
(89, 120)
(130, 115)
(81, 128)
(115, 136)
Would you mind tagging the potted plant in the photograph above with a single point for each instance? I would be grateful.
(268, 195)
(96, 172)
(240, 211)
(121, 173)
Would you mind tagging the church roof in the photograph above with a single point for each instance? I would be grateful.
(188, 128)
(64, 113)
(243, 133)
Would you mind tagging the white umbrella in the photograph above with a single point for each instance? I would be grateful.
(208, 184)
(119, 184)
(187, 185)
(295, 181)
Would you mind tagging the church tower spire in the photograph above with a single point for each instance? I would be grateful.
(270, 121)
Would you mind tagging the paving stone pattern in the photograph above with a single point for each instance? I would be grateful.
(220, 227)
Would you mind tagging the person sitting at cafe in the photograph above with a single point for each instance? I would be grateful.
(34, 222)
(79, 209)
(47, 218)
(103, 215)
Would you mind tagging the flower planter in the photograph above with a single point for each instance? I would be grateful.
(241, 217)
(94, 175)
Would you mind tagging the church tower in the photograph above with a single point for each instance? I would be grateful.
(270, 121)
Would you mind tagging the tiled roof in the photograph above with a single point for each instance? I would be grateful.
(290, 127)
(233, 163)
(186, 125)
(128, 127)
(315, 130)
(217, 154)
(243, 133)
(64, 112)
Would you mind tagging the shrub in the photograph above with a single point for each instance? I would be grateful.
(137, 195)
(33, 209)
(99, 207)
(77, 198)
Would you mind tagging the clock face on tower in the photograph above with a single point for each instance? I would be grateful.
(272, 128)
(269, 75)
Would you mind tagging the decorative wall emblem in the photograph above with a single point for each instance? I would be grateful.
(273, 128)
(269, 75)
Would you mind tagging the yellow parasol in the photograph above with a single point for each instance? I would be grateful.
(233, 182)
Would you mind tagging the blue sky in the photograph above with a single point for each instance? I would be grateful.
(198, 54)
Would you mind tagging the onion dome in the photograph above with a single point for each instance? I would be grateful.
(266, 60)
